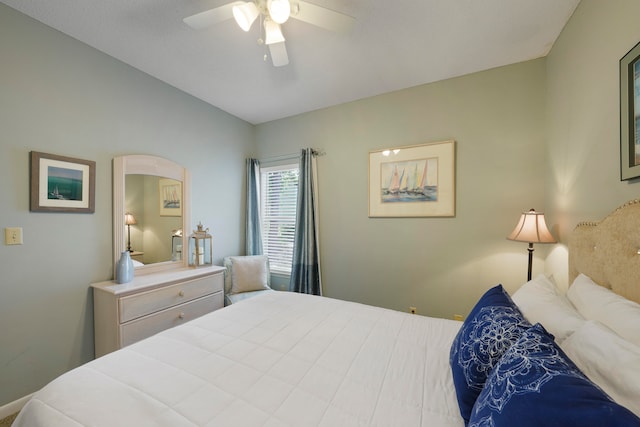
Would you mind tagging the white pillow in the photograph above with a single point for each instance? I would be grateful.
(614, 311)
(541, 302)
(608, 360)
(248, 273)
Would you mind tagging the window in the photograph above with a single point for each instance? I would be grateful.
(279, 195)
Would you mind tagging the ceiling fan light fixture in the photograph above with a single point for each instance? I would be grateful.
(279, 10)
(245, 14)
(272, 32)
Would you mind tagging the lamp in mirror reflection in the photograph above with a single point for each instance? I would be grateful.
(176, 245)
(531, 228)
(129, 220)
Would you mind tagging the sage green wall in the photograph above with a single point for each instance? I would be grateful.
(540, 134)
(60, 96)
(439, 265)
(583, 154)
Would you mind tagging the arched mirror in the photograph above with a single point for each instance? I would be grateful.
(150, 212)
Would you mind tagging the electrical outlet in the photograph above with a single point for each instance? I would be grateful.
(13, 236)
(458, 317)
(412, 310)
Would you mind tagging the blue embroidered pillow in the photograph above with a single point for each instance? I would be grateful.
(536, 384)
(492, 327)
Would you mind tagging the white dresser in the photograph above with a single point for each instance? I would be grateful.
(126, 313)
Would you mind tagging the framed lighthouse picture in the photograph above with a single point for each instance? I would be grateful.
(413, 181)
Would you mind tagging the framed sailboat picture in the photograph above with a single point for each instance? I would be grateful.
(61, 184)
(413, 181)
(170, 195)
(630, 114)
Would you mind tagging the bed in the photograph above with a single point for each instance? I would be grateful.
(276, 359)
(286, 359)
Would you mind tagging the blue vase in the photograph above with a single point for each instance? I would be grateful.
(124, 268)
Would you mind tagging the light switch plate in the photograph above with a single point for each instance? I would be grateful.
(13, 235)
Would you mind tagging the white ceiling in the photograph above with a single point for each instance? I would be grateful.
(394, 45)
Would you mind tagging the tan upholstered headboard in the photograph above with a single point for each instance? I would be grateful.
(608, 251)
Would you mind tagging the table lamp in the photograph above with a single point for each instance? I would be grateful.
(531, 228)
(129, 220)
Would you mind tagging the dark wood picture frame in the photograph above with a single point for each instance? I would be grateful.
(61, 184)
(630, 114)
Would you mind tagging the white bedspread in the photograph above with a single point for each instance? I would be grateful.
(280, 359)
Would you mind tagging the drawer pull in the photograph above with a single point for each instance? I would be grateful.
(181, 293)
(181, 315)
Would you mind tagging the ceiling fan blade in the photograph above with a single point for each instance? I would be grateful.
(279, 55)
(323, 17)
(210, 17)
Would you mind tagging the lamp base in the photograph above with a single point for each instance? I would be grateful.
(129, 238)
(530, 249)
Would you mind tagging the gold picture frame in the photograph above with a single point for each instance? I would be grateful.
(413, 181)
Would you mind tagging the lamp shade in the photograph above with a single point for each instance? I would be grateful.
(279, 10)
(245, 14)
(129, 219)
(273, 33)
(531, 228)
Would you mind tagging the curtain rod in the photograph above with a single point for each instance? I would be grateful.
(291, 156)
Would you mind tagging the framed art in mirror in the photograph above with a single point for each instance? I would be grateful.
(413, 181)
(630, 114)
(170, 196)
(61, 184)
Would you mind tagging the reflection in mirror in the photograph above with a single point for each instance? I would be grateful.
(155, 193)
(152, 237)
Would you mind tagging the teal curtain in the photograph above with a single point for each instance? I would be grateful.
(305, 269)
(253, 232)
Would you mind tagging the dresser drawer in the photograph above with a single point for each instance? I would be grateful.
(138, 305)
(150, 325)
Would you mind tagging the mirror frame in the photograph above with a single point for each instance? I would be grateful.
(147, 165)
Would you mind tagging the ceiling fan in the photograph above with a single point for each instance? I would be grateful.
(272, 14)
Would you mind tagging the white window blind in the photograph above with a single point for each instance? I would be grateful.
(279, 194)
